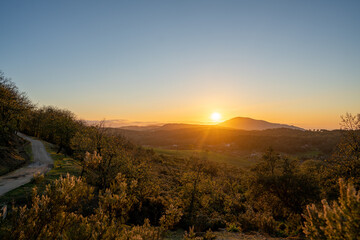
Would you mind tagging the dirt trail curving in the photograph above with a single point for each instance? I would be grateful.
(42, 163)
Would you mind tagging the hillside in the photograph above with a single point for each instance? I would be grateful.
(245, 123)
(227, 139)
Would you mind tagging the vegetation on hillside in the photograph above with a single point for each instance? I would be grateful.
(125, 191)
(213, 138)
(14, 106)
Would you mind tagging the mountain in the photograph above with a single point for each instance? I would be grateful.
(245, 123)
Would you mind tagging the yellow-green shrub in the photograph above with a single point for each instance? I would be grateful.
(341, 220)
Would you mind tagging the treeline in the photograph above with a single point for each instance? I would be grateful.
(18, 113)
(127, 192)
(14, 106)
(54, 125)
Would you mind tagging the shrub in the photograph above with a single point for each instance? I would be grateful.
(339, 221)
(38, 177)
(52, 213)
(232, 227)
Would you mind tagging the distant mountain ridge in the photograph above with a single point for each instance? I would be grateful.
(245, 123)
(241, 123)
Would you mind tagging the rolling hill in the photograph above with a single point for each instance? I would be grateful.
(241, 123)
(245, 123)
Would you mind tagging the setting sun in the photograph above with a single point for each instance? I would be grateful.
(215, 117)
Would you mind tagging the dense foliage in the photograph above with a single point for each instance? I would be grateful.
(13, 107)
(52, 124)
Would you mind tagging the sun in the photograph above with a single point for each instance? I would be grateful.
(215, 117)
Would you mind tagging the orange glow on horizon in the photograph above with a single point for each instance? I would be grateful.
(200, 115)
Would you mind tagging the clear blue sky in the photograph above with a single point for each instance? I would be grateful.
(294, 62)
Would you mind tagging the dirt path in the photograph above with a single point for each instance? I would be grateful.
(42, 163)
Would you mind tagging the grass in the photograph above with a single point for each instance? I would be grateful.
(236, 160)
(62, 166)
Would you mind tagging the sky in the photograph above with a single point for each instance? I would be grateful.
(293, 62)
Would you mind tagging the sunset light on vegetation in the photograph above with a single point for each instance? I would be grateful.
(185, 119)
